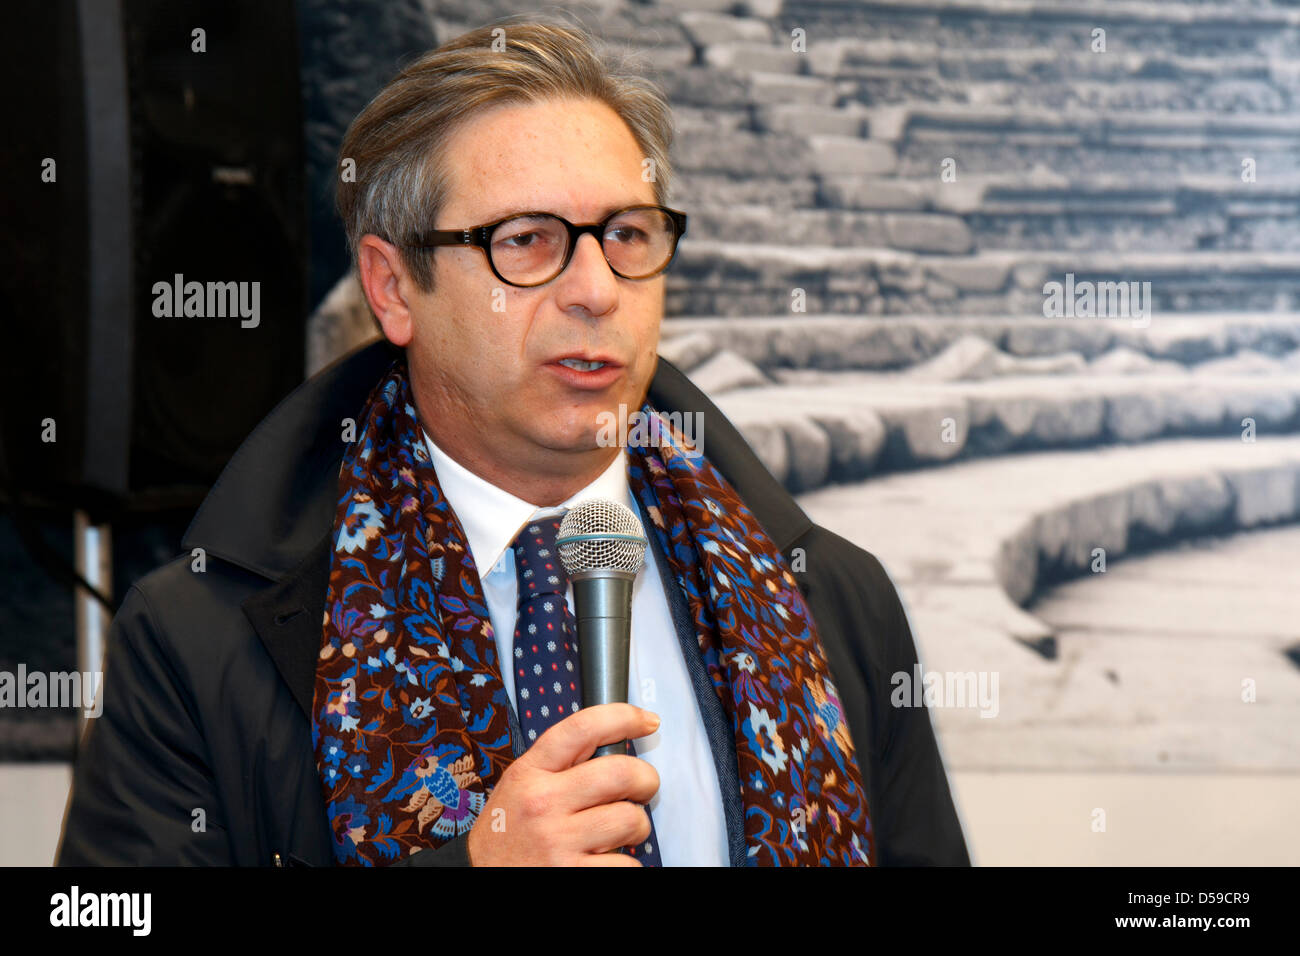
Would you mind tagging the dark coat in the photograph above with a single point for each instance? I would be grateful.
(209, 676)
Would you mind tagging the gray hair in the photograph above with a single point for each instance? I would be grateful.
(397, 142)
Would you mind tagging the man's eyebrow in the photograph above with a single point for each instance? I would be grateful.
(520, 210)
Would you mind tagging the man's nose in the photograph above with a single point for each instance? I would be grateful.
(589, 281)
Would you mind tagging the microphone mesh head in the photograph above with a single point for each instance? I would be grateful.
(601, 534)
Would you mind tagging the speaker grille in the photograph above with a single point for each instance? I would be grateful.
(599, 535)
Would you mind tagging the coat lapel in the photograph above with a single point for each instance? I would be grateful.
(289, 616)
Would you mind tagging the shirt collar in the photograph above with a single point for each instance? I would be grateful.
(492, 516)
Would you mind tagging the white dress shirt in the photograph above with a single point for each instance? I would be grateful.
(687, 810)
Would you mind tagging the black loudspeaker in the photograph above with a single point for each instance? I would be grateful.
(155, 245)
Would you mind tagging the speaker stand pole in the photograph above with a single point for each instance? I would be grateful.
(94, 558)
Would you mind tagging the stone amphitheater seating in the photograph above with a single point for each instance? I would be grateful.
(920, 403)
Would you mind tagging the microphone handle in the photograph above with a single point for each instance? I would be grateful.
(602, 603)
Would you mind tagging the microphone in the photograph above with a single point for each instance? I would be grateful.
(602, 546)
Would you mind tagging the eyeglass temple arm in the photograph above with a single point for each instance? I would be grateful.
(442, 237)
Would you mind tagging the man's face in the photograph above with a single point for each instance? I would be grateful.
(496, 371)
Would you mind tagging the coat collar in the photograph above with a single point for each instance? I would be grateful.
(272, 509)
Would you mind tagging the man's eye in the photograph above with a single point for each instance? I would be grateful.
(627, 234)
(520, 236)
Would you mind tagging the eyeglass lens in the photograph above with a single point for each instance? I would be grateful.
(531, 249)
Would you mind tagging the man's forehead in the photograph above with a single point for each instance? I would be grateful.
(574, 159)
(514, 209)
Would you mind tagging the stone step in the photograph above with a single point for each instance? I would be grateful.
(900, 72)
(849, 57)
(969, 544)
(707, 87)
(1186, 29)
(1041, 191)
(903, 75)
(971, 75)
(1143, 164)
(914, 129)
(743, 57)
(1082, 143)
(842, 428)
(705, 118)
(697, 188)
(1191, 614)
(1189, 213)
(1034, 192)
(707, 28)
(637, 27)
(744, 153)
(1041, 210)
(1135, 97)
(736, 279)
(1097, 129)
(925, 232)
(1250, 226)
(823, 343)
(1093, 127)
(1195, 214)
(807, 120)
(1120, 218)
(703, 87)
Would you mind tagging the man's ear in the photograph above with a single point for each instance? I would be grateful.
(388, 287)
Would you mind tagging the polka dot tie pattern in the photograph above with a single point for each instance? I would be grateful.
(548, 679)
(546, 661)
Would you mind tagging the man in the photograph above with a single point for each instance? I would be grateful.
(355, 662)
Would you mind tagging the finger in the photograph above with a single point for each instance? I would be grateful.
(576, 737)
(604, 780)
(606, 828)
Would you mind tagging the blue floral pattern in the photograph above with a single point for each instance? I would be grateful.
(801, 785)
(411, 726)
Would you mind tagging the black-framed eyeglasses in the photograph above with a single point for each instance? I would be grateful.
(532, 248)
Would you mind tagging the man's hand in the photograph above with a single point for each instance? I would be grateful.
(563, 809)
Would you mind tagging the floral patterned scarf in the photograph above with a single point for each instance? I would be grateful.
(411, 717)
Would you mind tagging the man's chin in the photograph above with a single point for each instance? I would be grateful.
(587, 439)
(602, 431)
(602, 421)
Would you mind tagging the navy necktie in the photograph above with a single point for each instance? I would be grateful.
(548, 676)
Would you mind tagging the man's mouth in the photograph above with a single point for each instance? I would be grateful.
(588, 372)
(580, 365)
